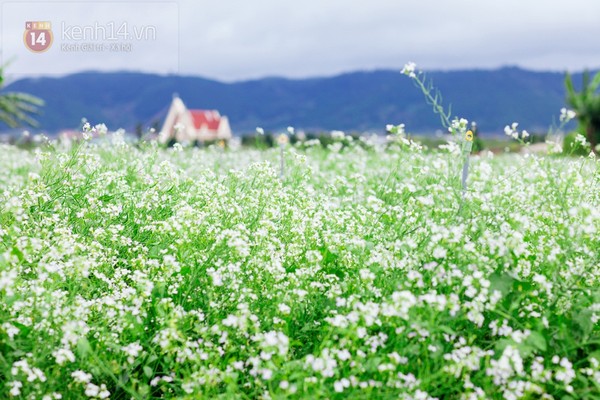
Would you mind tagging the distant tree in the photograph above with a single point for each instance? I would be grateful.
(16, 107)
(477, 142)
(139, 130)
(586, 103)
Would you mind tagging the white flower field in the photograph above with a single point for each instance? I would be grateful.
(132, 272)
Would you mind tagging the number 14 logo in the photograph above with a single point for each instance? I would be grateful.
(38, 36)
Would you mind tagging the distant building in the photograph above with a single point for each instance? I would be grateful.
(184, 125)
(70, 134)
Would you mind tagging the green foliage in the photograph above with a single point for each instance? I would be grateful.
(586, 103)
(16, 107)
(572, 145)
(144, 272)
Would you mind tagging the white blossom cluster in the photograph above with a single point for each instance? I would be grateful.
(140, 272)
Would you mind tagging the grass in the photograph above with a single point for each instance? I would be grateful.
(139, 272)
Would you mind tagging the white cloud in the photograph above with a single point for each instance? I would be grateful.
(232, 40)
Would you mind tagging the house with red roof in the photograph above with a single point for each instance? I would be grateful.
(185, 125)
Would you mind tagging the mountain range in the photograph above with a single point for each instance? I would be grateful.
(357, 101)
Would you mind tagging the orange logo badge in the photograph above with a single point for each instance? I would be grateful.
(38, 36)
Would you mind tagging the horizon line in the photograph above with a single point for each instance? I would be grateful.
(10, 78)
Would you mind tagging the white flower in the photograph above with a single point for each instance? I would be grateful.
(276, 339)
(10, 329)
(409, 70)
(439, 252)
(15, 388)
(92, 390)
(284, 308)
(282, 139)
(509, 364)
(514, 133)
(338, 135)
(7, 281)
(63, 355)
(567, 115)
(81, 377)
(239, 365)
(458, 125)
(566, 374)
(100, 392)
(266, 374)
(361, 332)
(344, 355)
(325, 364)
(260, 130)
(231, 320)
(395, 130)
(101, 129)
(366, 274)
(554, 147)
(579, 138)
(132, 350)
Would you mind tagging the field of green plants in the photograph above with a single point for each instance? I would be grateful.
(132, 272)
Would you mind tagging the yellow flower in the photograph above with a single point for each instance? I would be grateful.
(282, 139)
(469, 136)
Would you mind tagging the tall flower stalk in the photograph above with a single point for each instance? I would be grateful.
(282, 140)
(432, 95)
(467, 146)
(457, 127)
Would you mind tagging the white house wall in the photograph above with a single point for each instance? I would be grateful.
(224, 131)
(177, 109)
(178, 114)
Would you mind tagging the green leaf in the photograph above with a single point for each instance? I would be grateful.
(83, 347)
(447, 329)
(537, 341)
(595, 82)
(501, 345)
(595, 355)
(23, 329)
(372, 364)
(584, 320)
(148, 371)
(16, 252)
(501, 282)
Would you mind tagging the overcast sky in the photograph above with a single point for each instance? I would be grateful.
(235, 40)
